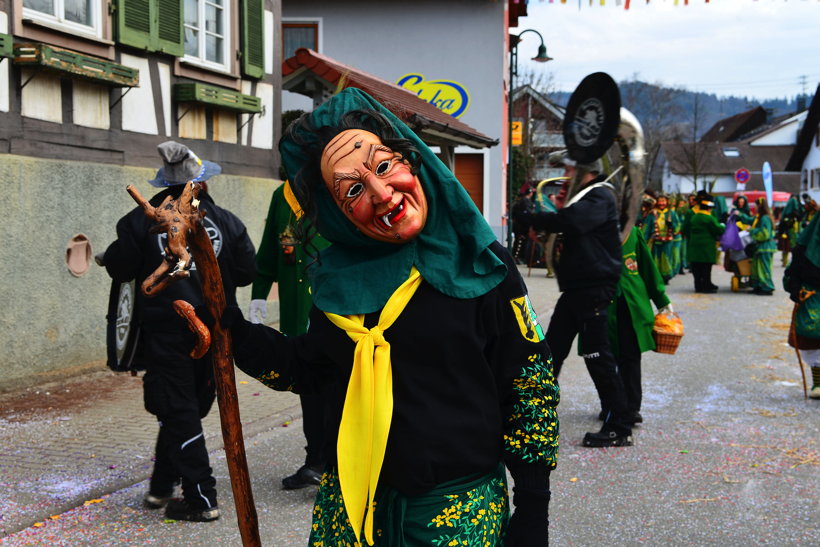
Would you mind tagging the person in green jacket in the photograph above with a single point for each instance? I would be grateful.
(682, 209)
(691, 208)
(283, 257)
(741, 210)
(702, 231)
(661, 227)
(802, 281)
(762, 232)
(788, 228)
(631, 317)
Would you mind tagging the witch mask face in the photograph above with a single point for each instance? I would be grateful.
(374, 187)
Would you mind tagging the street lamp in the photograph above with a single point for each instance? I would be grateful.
(541, 57)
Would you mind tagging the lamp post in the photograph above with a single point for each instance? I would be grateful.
(541, 57)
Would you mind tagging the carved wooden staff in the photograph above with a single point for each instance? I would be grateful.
(181, 219)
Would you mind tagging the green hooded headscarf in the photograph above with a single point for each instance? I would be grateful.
(810, 238)
(357, 274)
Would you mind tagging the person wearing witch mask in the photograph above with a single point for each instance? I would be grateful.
(422, 332)
(661, 228)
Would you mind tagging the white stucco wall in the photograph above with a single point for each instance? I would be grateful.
(785, 134)
(461, 40)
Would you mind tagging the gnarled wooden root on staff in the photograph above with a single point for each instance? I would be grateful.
(177, 219)
(181, 219)
(203, 335)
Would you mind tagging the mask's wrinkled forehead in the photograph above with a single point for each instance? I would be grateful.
(345, 144)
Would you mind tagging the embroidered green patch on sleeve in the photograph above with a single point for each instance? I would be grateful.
(527, 320)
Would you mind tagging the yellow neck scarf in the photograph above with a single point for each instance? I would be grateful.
(368, 407)
(661, 220)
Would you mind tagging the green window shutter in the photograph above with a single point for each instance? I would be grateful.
(134, 23)
(253, 42)
(152, 25)
(170, 36)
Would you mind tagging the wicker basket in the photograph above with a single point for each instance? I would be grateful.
(666, 342)
(744, 267)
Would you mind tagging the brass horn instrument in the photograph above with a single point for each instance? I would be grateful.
(625, 166)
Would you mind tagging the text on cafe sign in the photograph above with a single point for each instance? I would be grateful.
(446, 95)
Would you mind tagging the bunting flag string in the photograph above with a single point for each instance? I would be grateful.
(626, 3)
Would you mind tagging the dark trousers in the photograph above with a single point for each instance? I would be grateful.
(584, 312)
(179, 391)
(314, 426)
(629, 358)
(702, 272)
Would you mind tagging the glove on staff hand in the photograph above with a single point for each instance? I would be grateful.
(232, 320)
(529, 524)
(258, 311)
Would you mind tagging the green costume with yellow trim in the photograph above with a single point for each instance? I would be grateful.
(662, 232)
(282, 258)
(762, 232)
(640, 284)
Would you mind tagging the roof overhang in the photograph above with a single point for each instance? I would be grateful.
(319, 77)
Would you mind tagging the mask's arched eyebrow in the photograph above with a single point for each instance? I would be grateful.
(373, 149)
(337, 181)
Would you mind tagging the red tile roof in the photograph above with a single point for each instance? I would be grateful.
(433, 125)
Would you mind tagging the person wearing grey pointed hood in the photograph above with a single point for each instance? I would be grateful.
(178, 389)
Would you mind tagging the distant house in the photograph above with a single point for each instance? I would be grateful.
(541, 129)
(743, 141)
(805, 158)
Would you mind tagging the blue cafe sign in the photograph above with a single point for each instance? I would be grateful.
(446, 95)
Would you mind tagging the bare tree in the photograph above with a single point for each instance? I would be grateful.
(656, 107)
(694, 151)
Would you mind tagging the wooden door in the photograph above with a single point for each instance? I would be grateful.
(470, 172)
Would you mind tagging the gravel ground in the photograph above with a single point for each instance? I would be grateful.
(727, 454)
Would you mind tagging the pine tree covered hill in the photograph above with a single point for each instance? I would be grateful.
(710, 107)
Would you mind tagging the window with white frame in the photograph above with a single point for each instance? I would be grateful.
(297, 34)
(206, 33)
(76, 16)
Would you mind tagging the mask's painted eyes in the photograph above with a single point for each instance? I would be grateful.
(383, 167)
(355, 189)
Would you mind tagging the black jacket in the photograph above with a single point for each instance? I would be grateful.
(590, 252)
(468, 385)
(137, 253)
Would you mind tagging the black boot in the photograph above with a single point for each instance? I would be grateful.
(607, 437)
(304, 477)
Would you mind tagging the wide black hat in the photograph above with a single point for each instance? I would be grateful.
(592, 118)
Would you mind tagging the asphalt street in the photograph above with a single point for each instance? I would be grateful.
(727, 455)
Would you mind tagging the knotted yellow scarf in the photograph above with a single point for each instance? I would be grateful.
(368, 407)
(661, 220)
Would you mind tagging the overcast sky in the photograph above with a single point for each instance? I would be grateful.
(755, 48)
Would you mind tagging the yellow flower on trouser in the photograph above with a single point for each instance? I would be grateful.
(368, 407)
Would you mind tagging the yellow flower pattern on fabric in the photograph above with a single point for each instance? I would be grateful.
(531, 432)
(476, 518)
(331, 527)
(274, 380)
